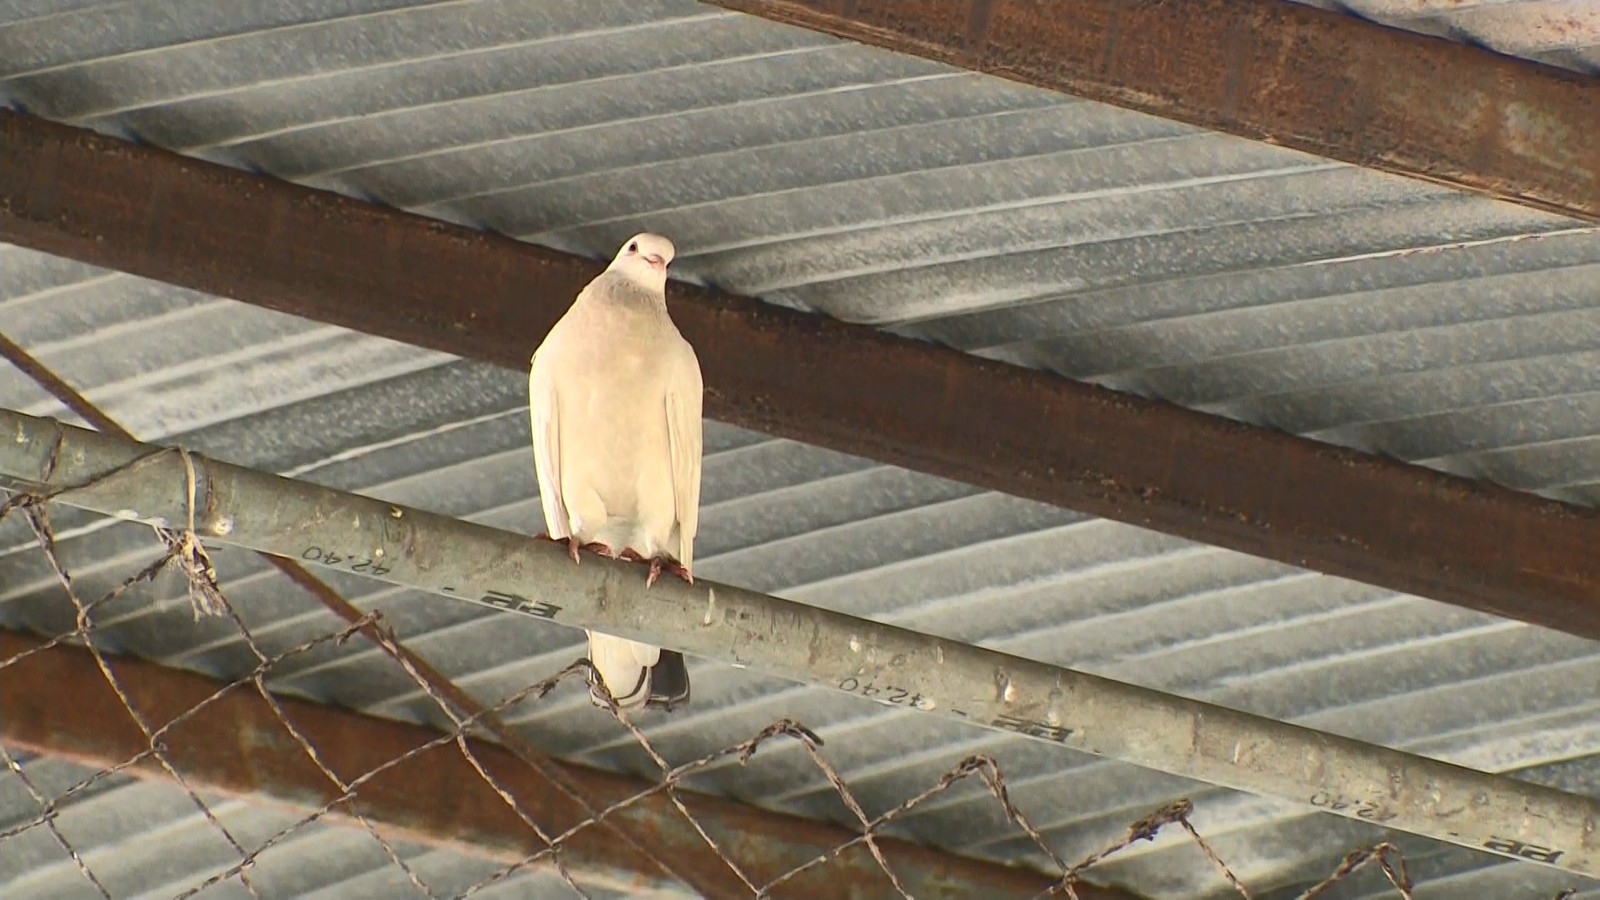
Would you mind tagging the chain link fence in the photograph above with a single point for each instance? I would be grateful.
(178, 549)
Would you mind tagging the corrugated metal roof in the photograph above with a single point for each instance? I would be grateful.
(1564, 33)
(1249, 280)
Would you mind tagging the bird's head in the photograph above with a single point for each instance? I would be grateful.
(644, 258)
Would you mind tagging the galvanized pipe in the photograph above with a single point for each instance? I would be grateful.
(890, 665)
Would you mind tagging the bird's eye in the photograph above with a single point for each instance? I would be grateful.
(633, 247)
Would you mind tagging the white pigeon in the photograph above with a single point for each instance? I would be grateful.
(615, 395)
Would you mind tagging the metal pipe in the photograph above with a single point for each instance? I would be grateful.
(889, 665)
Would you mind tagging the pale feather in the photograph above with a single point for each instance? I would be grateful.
(545, 421)
(685, 393)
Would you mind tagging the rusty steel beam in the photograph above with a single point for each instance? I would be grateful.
(57, 702)
(1270, 70)
(146, 211)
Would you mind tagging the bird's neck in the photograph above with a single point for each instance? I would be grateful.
(625, 291)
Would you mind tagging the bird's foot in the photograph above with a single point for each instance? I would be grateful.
(657, 564)
(593, 547)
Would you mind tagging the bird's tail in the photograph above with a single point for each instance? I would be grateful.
(638, 675)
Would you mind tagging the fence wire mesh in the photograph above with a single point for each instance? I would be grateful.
(179, 549)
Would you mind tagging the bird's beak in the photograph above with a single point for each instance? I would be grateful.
(655, 260)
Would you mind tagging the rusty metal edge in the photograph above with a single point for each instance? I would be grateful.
(56, 702)
(150, 212)
(1269, 70)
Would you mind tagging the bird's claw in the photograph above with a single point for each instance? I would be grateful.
(657, 564)
(593, 547)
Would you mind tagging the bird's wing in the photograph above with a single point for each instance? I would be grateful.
(544, 414)
(685, 394)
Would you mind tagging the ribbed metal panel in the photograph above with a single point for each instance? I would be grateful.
(1564, 33)
(1244, 279)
